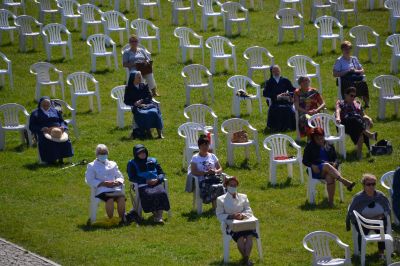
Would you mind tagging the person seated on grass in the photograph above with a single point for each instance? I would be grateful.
(147, 173)
(356, 124)
(371, 204)
(145, 110)
(104, 175)
(321, 157)
(50, 130)
(236, 206)
(205, 167)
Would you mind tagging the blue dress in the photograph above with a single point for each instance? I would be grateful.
(49, 151)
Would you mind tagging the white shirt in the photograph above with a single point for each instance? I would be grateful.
(227, 205)
(98, 172)
(204, 164)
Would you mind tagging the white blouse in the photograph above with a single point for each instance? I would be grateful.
(227, 205)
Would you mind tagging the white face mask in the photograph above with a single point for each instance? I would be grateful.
(102, 157)
(232, 190)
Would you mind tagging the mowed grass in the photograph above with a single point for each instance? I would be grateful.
(45, 208)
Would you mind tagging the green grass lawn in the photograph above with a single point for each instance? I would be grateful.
(45, 208)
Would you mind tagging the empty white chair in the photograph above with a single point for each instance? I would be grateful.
(11, 122)
(26, 27)
(387, 182)
(216, 45)
(148, 3)
(287, 18)
(117, 93)
(232, 13)
(51, 34)
(198, 113)
(239, 82)
(114, 21)
(299, 64)
(127, 47)
(283, 3)
(233, 125)
(42, 72)
(376, 237)
(277, 145)
(325, 121)
(47, 7)
(97, 44)
(207, 10)
(184, 35)
(320, 248)
(60, 105)
(341, 7)
(141, 27)
(313, 182)
(67, 9)
(386, 85)
(7, 71)
(394, 8)
(361, 33)
(393, 41)
(182, 6)
(325, 26)
(14, 5)
(79, 86)
(89, 13)
(5, 17)
(194, 78)
(254, 57)
(319, 5)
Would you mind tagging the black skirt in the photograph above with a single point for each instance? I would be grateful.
(154, 198)
(281, 117)
(236, 235)
(361, 87)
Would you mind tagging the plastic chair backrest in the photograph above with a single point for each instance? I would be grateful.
(183, 33)
(387, 180)
(299, 63)
(11, 113)
(326, 24)
(53, 31)
(394, 7)
(194, 74)
(119, 92)
(191, 131)
(369, 224)
(87, 12)
(67, 6)
(111, 18)
(141, 27)
(394, 41)
(197, 113)
(277, 144)
(234, 124)
(79, 81)
(239, 82)
(287, 16)
(46, 4)
(386, 83)
(255, 56)
(42, 71)
(25, 22)
(319, 242)
(216, 44)
(65, 106)
(207, 6)
(323, 121)
(361, 33)
(231, 9)
(5, 15)
(98, 42)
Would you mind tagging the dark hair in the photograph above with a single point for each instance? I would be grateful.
(317, 131)
(203, 140)
(346, 45)
(302, 78)
(350, 90)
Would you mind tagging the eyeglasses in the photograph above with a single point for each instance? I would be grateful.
(352, 95)
(370, 184)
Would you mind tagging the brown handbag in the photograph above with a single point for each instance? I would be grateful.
(240, 137)
(145, 67)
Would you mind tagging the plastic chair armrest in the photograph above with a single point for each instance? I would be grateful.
(277, 16)
(208, 73)
(252, 128)
(214, 115)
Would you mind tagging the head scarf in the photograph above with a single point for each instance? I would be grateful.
(141, 163)
(40, 102)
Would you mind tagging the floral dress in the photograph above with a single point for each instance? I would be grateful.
(308, 99)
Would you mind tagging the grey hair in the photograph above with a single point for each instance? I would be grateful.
(138, 73)
(101, 147)
(367, 176)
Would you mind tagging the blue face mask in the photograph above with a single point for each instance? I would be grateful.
(232, 190)
(102, 157)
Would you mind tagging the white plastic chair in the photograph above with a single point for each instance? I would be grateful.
(320, 248)
(26, 26)
(276, 145)
(299, 64)
(360, 34)
(387, 182)
(254, 57)
(239, 82)
(114, 21)
(117, 93)
(232, 125)
(287, 18)
(148, 3)
(194, 78)
(7, 71)
(325, 26)
(386, 85)
(325, 121)
(70, 121)
(316, 5)
(180, 6)
(375, 237)
(191, 131)
(127, 5)
(341, 7)
(394, 8)
(127, 47)
(42, 72)
(217, 51)
(232, 13)
(11, 113)
(370, 4)
(88, 13)
(5, 16)
(51, 34)
(184, 35)
(251, 4)
(207, 10)
(141, 27)
(67, 10)
(313, 182)
(97, 44)
(47, 7)
(198, 113)
(393, 41)
(78, 84)
(226, 239)
(283, 3)
(14, 5)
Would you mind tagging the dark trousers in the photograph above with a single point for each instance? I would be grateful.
(381, 245)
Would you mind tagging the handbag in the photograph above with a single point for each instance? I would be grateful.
(145, 67)
(382, 147)
(247, 224)
(240, 137)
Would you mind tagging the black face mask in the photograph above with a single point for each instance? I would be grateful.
(371, 205)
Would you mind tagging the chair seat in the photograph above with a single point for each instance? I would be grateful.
(192, 46)
(368, 45)
(222, 56)
(213, 14)
(58, 43)
(393, 98)
(125, 108)
(285, 161)
(8, 28)
(237, 19)
(346, 11)
(73, 16)
(116, 29)
(3, 71)
(198, 86)
(260, 67)
(49, 82)
(329, 36)
(377, 237)
(103, 54)
(253, 97)
(322, 6)
(148, 4)
(10, 128)
(250, 142)
(291, 27)
(183, 8)
(148, 37)
(93, 22)
(88, 93)
(31, 34)
(331, 262)
(332, 138)
(49, 10)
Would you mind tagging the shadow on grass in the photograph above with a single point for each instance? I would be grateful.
(324, 205)
(221, 262)
(59, 60)
(192, 216)
(388, 119)
(35, 166)
(287, 183)
(101, 225)
(371, 259)
(101, 72)
(244, 165)
(21, 147)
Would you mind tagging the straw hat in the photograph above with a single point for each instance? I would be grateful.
(56, 135)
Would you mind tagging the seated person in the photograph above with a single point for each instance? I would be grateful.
(233, 205)
(105, 176)
(281, 116)
(356, 124)
(371, 204)
(50, 130)
(204, 163)
(321, 157)
(307, 102)
(146, 112)
(396, 193)
(146, 172)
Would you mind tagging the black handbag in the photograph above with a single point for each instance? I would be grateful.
(382, 147)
